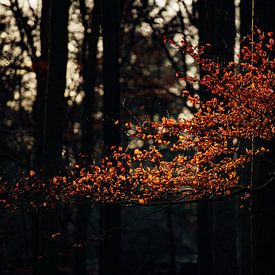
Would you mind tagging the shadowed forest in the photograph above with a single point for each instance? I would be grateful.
(137, 137)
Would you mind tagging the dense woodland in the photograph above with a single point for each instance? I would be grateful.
(75, 76)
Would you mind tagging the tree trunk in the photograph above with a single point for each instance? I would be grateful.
(41, 70)
(205, 238)
(263, 217)
(263, 206)
(217, 27)
(110, 262)
(89, 75)
(56, 84)
(89, 51)
(261, 233)
(54, 108)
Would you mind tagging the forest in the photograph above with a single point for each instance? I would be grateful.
(137, 137)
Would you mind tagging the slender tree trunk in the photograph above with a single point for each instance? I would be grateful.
(89, 51)
(172, 244)
(220, 239)
(110, 262)
(41, 70)
(89, 76)
(56, 84)
(263, 206)
(258, 220)
(264, 14)
(53, 119)
(263, 217)
(224, 213)
(244, 224)
(205, 238)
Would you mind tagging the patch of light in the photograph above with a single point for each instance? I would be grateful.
(99, 47)
(145, 29)
(178, 37)
(174, 6)
(76, 127)
(188, 2)
(185, 114)
(99, 90)
(136, 143)
(98, 115)
(174, 90)
(34, 4)
(161, 3)
(79, 97)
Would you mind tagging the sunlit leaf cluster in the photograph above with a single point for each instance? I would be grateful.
(186, 159)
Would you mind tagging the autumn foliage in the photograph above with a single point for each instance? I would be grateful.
(185, 159)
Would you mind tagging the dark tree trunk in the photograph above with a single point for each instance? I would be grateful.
(258, 233)
(81, 232)
(263, 206)
(89, 51)
(53, 119)
(217, 238)
(264, 15)
(89, 75)
(244, 224)
(217, 27)
(110, 262)
(41, 70)
(172, 244)
(205, 238)
(263, 217)
(56, 84)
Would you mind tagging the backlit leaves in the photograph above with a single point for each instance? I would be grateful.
(204, 152)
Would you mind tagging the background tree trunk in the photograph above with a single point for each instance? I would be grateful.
(54, 108)
(263, 206)
(263, 217)
(110, 262)
(89, 51)
(41, 69)
(217, 236)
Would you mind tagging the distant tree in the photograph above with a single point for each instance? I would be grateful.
(217, 249)
(91, 23)
(110, 261)
(53, 121)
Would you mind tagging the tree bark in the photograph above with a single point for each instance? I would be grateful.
(110, 262)
(259, 225)
(89, 75)
(205, 238)
(41, 70)
(53, 119)
(263, 217)
(263, 206)
(89, 51)
(217, 236)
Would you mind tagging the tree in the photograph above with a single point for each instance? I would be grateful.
(110, 215)
(217, 249)
(89, 59)
(53, 119)
(262, 207)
